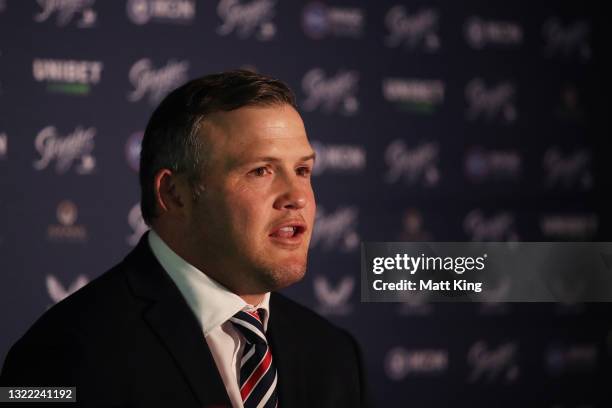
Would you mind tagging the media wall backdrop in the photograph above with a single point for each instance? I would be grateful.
(432, 121)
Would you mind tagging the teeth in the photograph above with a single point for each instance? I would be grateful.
(287, 229)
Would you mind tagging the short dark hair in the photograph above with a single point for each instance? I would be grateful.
(171, 138)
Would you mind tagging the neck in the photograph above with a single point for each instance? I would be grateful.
(253, 300)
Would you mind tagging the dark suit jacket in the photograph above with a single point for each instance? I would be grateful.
(129, 339)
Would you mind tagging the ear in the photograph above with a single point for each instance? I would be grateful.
(171, 193)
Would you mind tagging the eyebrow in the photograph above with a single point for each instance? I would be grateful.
(269, 159)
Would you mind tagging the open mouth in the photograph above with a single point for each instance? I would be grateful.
(288, 231)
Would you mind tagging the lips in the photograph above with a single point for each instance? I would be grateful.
(289, 232)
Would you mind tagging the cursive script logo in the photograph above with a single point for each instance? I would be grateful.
(412, 165)
(66, 10)
(570, 171)
(247, 18)
(136, 222)
(76, 146)
(490, 365)
(336, 230)
(419, 30)
(334, 300)
(567, 41)
(336, 93)
(156, 83)
(490, 103)
(57, 292)
(498, 227)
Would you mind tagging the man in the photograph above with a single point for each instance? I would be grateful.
(189, 318)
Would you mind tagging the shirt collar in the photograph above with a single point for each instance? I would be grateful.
(212, 303)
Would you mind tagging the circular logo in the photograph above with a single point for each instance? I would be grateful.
(66, 213)
(315, 20)
(132, 150)
(138, 11)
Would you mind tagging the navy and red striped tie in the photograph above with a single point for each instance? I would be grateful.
(257, 372)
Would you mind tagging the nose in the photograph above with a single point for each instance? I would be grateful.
(293, 197)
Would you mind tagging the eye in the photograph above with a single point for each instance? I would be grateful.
(260, 171)
(303, 171)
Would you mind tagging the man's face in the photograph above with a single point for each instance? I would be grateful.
(252, 224)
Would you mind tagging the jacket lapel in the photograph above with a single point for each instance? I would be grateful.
(175, 325)
(287, 356)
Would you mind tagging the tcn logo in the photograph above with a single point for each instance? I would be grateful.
(480, 33)
(320, 20)
(416, 95)
(163, 11)
(58, 292)
(74, 148)
(400, 363)
(336, 230)
(491, 103)
(418, 165)
(334, 300)
(493, 365)
(156, 83)
(80, 11)
(338, 158)
(247, 18)
(416, 31)
(331, 94)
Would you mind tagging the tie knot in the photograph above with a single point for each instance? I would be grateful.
(250, 324)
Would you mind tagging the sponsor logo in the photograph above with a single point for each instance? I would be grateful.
(418, 165)
(74, 148)
(164, 11)
(331, 94)
(247, 18)
(401, 363)
(572, 359)
(480, 33)
(416, 95)
(156, 83)
(320, 20)
(416, 305)
(336, 230)
(58, 292)
(67, 76)
(417, 31)
(492, 165)
(137, 224)
(496, 102)
(67, 11)
(338, 158)
(491, 365)
(569, 41)
(66, 230)
(498, 227)
(334, 300)
(570, 226)
(2, 5)
(571, 171)
(570, 105)
(133, 146)
(3, 145)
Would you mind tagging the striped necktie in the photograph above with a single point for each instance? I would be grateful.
(257, 371)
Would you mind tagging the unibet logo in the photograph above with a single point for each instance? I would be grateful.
(67, 76)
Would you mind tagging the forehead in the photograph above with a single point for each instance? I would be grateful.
(249, 131)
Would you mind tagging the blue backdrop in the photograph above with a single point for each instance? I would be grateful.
(432, 120)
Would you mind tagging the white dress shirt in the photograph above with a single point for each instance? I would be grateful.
(213, 305)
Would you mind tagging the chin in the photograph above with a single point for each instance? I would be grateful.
(280, 276)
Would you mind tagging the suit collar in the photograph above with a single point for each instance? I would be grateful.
(173, 322)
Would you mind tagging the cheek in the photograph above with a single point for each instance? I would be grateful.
(245, 207)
